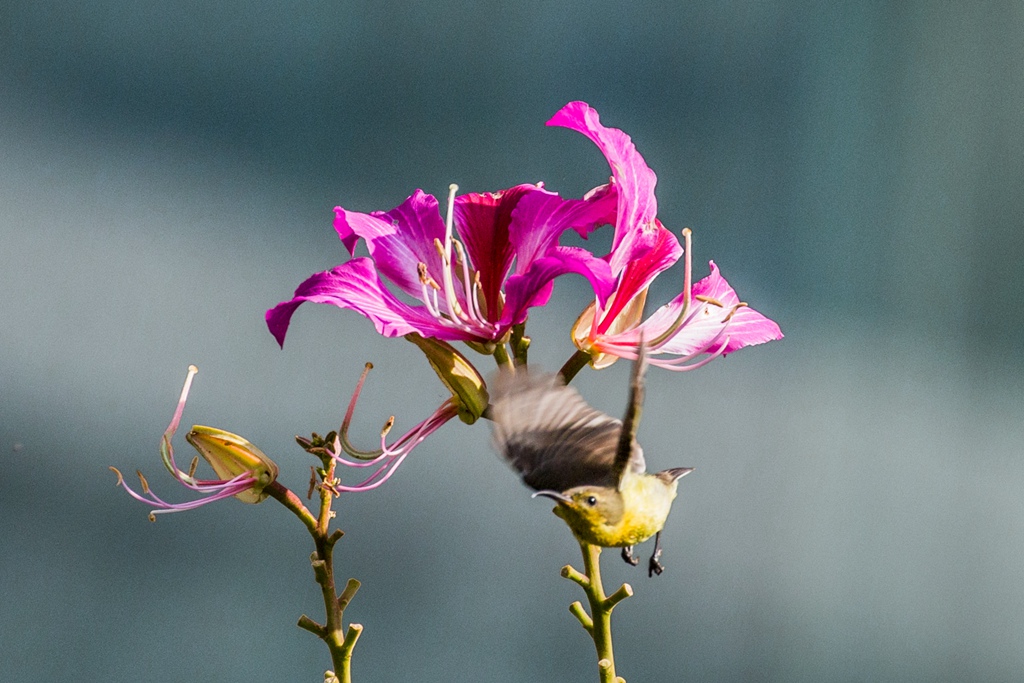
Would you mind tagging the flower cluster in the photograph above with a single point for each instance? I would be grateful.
(472, 276)
(477, 286)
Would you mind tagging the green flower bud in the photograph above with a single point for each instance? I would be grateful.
(462, 379)
(230, 456)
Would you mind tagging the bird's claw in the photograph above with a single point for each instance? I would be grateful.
(654, 566)
(627, 556)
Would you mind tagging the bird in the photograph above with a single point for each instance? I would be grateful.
(588, 462)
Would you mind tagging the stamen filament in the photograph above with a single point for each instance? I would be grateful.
(343, 441)
(166, 452)
(679, 364)
(687, 286)
(430, 301)
(476, 294)
(450, 219)
(395, 454)
(467, 284)
(454, 308)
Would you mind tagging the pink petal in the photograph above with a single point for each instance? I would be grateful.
(638, 274)
(706, 322)
(398, 240)
(533, 288)
(541, 217)
(635, 181)
(355, 285)
(483, 223)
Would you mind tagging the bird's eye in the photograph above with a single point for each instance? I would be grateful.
(591, 501)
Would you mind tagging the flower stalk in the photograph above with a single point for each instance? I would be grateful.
(598, 623)
(339, 639)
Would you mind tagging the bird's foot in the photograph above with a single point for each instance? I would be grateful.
(654, 566)
(627, 556)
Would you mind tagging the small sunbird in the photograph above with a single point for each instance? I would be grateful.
(588, 462)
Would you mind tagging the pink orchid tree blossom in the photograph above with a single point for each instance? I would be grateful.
(473, 276)
(706, 319)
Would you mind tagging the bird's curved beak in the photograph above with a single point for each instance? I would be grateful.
(553, 495)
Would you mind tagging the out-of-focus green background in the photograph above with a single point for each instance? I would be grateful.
(168, 171)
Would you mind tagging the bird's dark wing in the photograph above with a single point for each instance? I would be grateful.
(627, 448)
(549, 434)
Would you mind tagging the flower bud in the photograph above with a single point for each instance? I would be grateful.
(230, 456)
(462, 379)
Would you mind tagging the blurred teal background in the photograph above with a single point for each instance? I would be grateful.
(168, 171)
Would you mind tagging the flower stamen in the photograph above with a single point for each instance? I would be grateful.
(393, 455)
(467, 284)
(342, 441)
(246, 485)
(425, 279)
(735, 308)
(709, 300)
(681, 319)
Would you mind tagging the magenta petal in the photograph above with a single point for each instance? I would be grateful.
(483, 223)
(398, 240)
(541, 217)
(641, 271)
(533, 288)
(706, 324)
(356, 286)
(633, 177)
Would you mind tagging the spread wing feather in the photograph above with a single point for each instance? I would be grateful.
(552, 437)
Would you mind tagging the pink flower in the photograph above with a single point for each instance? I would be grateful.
(474, 275)
(707, 319)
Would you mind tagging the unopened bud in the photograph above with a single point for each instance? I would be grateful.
(230, 455)
(458, 374)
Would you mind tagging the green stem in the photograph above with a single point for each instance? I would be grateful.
(285, 497)
(572, 366)
(339, 640)
(599, 622)
(501, 355)
(520, 344)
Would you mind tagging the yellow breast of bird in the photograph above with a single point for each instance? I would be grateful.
(646, 503)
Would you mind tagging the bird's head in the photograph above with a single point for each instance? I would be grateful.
(587, 507)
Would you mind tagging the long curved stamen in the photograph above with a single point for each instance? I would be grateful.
(628, 350)
(687, 266)
(445, 251)
(475, 324)
(687, 287)
(451, 298)
(343, 441)
(477, 293)
(384, 453)
(395, 454)
(166, 451)
(429, 288)
(469, 285)
(369, 483)
(679, 364)
(449, 223)
(467, 316)
(214, 490)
